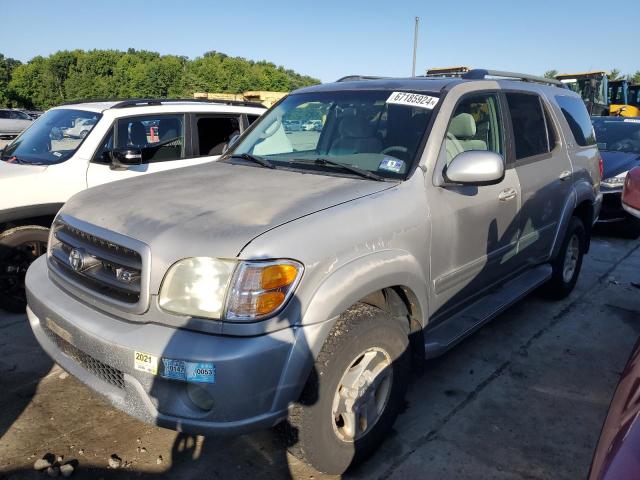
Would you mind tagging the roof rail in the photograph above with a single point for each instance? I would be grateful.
(481, 73)
(355, 78)
(139, 102)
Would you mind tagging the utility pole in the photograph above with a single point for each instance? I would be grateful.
(415, 47)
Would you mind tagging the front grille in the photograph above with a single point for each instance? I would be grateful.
(101, 370)
(98, 265)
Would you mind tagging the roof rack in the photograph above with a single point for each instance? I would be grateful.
(355, 78)
(481, 74)
(138, 102)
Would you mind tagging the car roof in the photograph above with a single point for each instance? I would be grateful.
(129, 107)
(418, 84)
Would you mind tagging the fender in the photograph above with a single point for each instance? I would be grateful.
(29, 211)
(345, 286)
(580, 192)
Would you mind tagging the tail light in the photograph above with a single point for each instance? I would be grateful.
(600, 166)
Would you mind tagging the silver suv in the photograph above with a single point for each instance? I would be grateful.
(299, 277)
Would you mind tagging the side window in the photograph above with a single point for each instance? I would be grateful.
(252, 118)
(160, 137)
(4, 114)
(215, 132)
(577, 117)
(475, 125)
(529, 126)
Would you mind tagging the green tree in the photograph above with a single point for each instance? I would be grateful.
(550, 74)
(7, 66)
(614, 74)
(635, 78)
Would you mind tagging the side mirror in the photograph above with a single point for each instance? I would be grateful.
(123, 158)
(232, 141)
(475, 167)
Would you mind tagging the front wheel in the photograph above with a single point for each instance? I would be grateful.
(354, 393)
(567, 265)
(19, 247)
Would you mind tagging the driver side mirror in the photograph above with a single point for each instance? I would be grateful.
(123, 158)
(475, 167)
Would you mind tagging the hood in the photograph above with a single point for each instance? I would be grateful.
(213, 209)
(615, 163)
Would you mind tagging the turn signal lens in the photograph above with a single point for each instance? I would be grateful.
(276, 276)
(259, 289)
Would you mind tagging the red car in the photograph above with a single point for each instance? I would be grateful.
(617, 456)
(631, 192)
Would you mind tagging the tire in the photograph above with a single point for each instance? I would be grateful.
(19, 247)
(561, 283)
(317, 436)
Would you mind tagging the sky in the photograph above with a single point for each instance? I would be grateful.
(329, 39)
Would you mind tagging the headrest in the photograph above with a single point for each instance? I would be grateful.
(463, 126)
(354, 127)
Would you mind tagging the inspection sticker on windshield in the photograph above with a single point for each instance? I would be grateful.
(391, 165)
(145, 363)
(413, 100)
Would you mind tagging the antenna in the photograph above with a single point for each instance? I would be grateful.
(415, 46)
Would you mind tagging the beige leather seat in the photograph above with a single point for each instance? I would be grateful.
(460, 136)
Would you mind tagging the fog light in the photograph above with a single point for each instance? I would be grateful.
(199, 396)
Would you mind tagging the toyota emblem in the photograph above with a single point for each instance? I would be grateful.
(76, 259)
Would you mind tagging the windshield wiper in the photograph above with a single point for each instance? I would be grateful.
(255, 159)
(351, 168)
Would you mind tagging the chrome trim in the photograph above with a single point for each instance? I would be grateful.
(91, 296)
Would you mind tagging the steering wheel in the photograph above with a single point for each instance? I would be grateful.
(395, 148)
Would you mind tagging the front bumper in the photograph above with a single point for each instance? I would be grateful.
(256, 377)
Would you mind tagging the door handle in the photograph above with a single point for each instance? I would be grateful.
(507, 194)
(564, 175)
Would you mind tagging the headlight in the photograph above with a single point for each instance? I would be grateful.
(253, 290)
(614, 182)
(196, 286)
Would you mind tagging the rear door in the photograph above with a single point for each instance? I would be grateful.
(544, 172)
(161, 137)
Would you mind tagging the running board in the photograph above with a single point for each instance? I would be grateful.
(455, 329)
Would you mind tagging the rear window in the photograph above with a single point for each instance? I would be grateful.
(529, 126)
(577, 117)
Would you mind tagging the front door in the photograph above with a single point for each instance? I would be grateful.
(474, 228)
(161, 137)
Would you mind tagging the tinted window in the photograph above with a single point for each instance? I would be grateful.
(160, 137)
(19, 115)
(529, 127)
(4, 114)
(578, 119)
(214, 133)
(475, 125)
(252, 118)
(617, 134)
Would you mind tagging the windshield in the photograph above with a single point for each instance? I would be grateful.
(588, 88)
(53, 138)
(618, 135)
(376, 131)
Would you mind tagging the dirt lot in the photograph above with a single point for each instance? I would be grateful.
(523, 398)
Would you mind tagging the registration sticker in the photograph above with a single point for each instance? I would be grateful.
(391, 165)
(145, 363)
(198, 372)
(413, 100)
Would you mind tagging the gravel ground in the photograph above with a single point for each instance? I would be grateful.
(525, 397)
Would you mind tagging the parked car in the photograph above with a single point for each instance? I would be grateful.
(616, 456)
(300, 284)
(33, 113)
(312, 125)
(619, 142)
(631, 193)
(292, 125)
(73, 147)
(12, 122)
(80, 129)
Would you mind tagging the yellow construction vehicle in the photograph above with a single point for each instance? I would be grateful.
(620, 101)
(592, 87)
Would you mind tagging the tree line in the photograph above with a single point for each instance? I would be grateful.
(66, 76)
(614, 74)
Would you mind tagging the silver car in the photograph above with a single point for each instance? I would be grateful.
(12, 122)
(296, 280)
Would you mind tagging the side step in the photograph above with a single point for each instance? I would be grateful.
(455, 329)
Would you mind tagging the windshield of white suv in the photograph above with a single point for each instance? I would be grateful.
(53, 138)
(368, 133)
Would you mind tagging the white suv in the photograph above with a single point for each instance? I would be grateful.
(74, 147)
